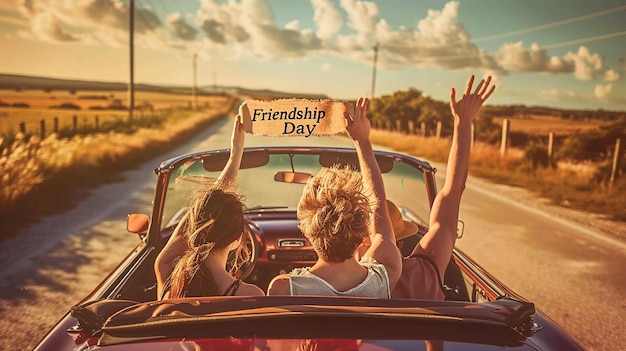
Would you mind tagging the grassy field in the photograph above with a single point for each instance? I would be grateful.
(86, 99)
(568, 185)
(44, 175)
(542, 125)
(91, 104)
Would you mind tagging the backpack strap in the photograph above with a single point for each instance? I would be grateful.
(232, 289)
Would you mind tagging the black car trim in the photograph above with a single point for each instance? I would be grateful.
(283, 316)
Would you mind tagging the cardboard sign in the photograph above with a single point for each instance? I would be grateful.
(294, 117)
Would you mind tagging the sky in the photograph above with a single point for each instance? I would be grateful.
(560, 53)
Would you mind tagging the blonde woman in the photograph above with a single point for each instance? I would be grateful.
(339, 208)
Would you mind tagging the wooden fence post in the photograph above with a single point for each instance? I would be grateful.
(97, 122)
(75, 123)
(438, 132)
(411, 127)
(551, 149)
(23, 127)
(505, 136)
(42, 128)
(423, 128)
(616, 161)
(56, 124)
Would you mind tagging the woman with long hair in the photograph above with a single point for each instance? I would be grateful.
(193, 262)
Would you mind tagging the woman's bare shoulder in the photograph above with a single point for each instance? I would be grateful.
(279, 285)
(247, 289)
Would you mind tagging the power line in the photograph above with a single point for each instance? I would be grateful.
(548, 46)
(552, 25)
(585, 40)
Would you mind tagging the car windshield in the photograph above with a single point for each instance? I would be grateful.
(404, 183)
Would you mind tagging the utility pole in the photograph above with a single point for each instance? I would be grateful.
(374, 71)
(194, 91)
(131, 83)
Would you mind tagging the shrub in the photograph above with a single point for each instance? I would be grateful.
(596, 145)
(40, 175)
(536, 153)
(66, 106)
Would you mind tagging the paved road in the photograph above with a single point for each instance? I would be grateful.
(571, 272)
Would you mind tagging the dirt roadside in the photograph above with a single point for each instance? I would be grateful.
(54, 263)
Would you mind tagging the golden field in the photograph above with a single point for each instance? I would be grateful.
(35, 170)
(542, 125)
(568, 184)
(42, 107)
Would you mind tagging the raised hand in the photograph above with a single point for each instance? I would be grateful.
(358, 126)
(467, 108)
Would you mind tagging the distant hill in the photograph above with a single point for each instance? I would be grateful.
(20, 82)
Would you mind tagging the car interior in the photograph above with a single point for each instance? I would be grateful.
(274, 239)
(288, 250)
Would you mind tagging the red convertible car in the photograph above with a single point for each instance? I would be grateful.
(123, 313)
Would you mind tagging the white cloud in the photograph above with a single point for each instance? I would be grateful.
(515, 57)
(85, 21)
(558, 95)
(611, 75)
(45, 26)
(180, 27)
(439, 40)
(603, 92)
(327, 19)
(362, 16)
(12, 20)
(586, 64)
(249, 27)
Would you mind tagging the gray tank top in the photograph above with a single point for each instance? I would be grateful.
(376, 284)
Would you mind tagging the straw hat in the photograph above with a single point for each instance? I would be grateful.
(403, 229)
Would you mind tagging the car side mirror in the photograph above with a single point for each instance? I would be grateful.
(292, 177)
(138, 223)
(460, 228)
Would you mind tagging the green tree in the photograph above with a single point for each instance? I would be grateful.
(402, 105)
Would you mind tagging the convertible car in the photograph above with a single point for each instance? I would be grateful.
(123, 313)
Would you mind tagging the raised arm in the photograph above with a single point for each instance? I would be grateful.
(166, 260)
(228, 177)
(439, 241)
(383, 243)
